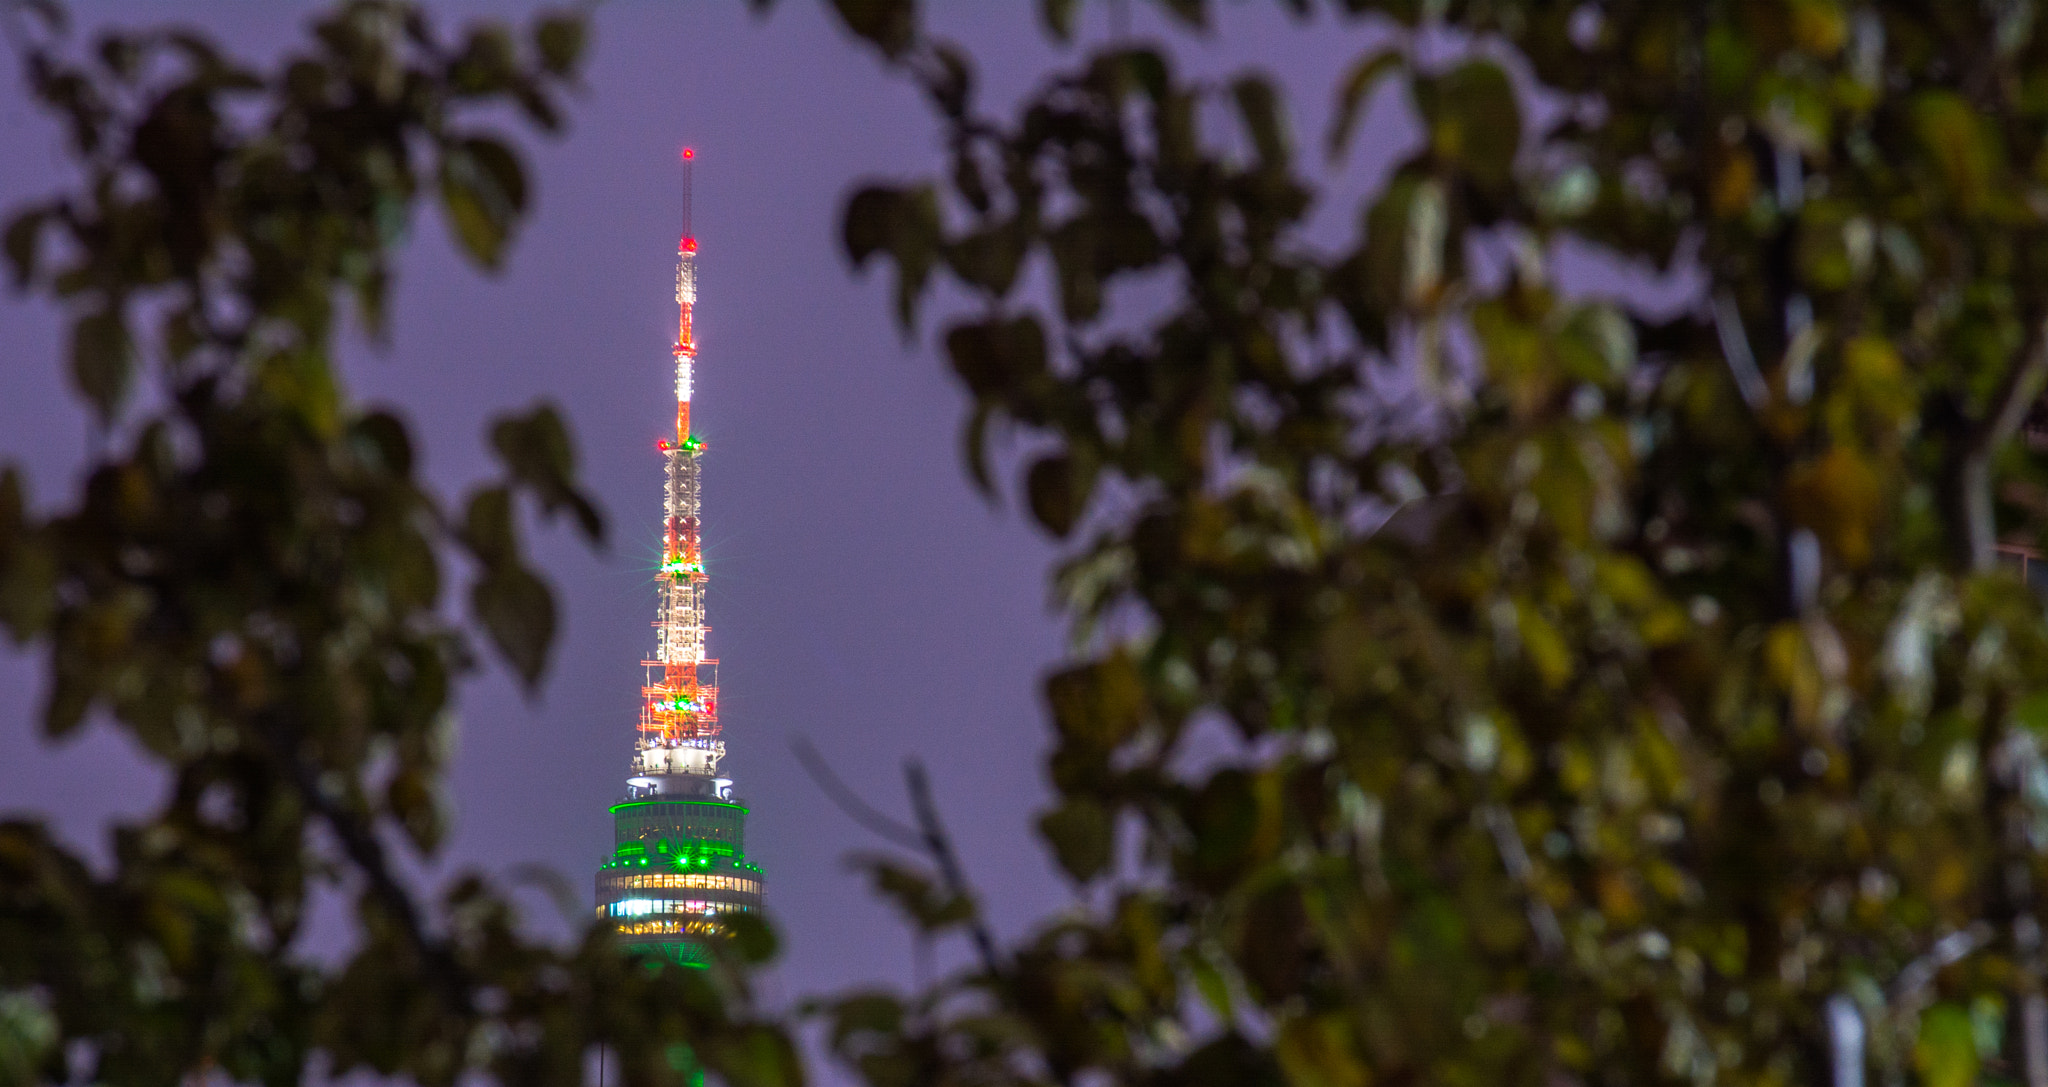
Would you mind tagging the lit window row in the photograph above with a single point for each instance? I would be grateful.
(642, 907)
(692, 881)
(668, 928)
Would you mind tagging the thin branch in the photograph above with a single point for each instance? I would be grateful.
(360, 843)
(940, 847)
(1514, 857)
(2016, 394)
(1749, 381)
(1909, 989)
(849, 802)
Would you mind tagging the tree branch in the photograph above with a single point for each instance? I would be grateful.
(2016, 393)
(365, 851)
(849, 802)
(940, 847)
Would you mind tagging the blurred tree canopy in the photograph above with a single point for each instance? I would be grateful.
(1624, 695)
(249, 580)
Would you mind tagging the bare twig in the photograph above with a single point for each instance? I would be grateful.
(940, 847)
(2017, 393)
(1910, 988)
(1749, 381)
(1845, 1040)
(366, 852)
(1514, 856)
(849, 802)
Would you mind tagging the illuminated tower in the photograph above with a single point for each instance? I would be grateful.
(680, 861)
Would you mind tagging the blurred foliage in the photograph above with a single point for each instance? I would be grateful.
(1620, 695)
(248, 582)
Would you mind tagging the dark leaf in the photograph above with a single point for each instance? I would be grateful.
(1258, 104)
(517, 610)
(752, 937)
(561, 40)
(23, 241)
(483, 190)
(1058, 16)
(1058, 487)
(889, 25)
(1356, 92)
(997, 358)
(869, 220)
(1080, 833)
(1474, 121)
(102, 362)
(1194, 13)
(487, 527)
(537, 449)
(990, 259)
(1100, 704)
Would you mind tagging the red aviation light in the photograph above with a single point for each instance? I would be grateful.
(687, 245)
(689, 153)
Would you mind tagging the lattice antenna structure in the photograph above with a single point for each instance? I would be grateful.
(679, 864)
(679, 714)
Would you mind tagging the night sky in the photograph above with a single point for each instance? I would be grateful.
(862, 595)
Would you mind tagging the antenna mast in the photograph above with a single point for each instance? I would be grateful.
(679, 718)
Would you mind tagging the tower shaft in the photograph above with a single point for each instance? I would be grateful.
(679, 860)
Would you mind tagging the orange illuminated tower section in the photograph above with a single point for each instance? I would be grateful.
(679, 860)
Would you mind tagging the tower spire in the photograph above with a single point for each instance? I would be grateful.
(680, 857)
(679, 719)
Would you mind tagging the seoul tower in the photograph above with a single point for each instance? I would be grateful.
(680, 861)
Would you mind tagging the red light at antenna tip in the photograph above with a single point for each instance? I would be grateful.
(689, 153)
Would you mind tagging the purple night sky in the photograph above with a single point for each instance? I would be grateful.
(862, 595)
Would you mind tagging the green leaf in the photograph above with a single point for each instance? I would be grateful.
(865, 1012)
(28, 567)
(990, 258)
(1961, 146)
(926, 904)
(561, 40)
(1099, 704)
(1081, 835)
(384, 436)
(28, 1037)
(102, 360)
(752, 937)
(1365, 75)
(483, 190)
(1474, 121)
(303, 382)
(1319, 1051)
(536, 447)
(488, 529)
(415, 796)
(1946, 1050)
(518, 612)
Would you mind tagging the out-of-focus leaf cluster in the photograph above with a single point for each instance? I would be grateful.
(249, 583)
(1622, 694)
